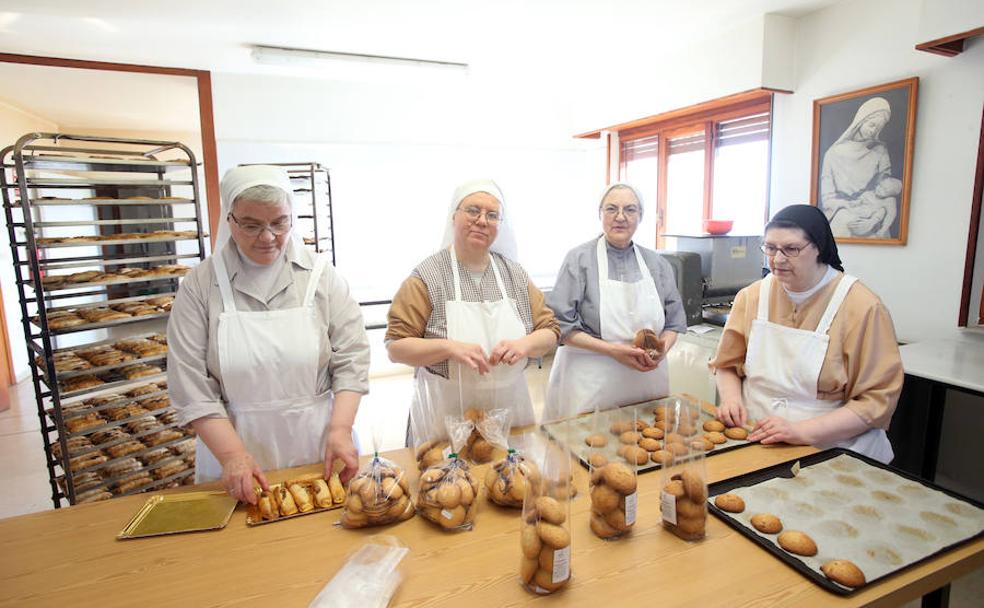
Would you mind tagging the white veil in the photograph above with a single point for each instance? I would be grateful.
(505, 241)
(239, 179)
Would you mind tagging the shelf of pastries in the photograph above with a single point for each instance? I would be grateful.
(108, 364)
(119, 238)
(59, 201)
(106, 314)
(89, 278)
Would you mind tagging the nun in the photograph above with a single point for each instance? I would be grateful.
(268, 356)
(468, 318)
(809, 354)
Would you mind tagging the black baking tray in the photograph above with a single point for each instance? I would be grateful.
(783, 470)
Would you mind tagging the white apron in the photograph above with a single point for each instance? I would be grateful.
(782, 367)
(485, 324)
(269, 366)
(582, 380)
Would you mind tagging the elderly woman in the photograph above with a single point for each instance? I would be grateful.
(809, 353)
(857, 190)
(268, 356)
(468, 317)
(607, 290)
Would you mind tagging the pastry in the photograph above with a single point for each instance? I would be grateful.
(597, 460)
(651, 432)
(843, 572)
(171, 468)
(162, 437)
(797, 542)
(322, 495)
(596, 441)
(82, 277)
(649, 444)
(732, 503)
(302, 498)
(736, 432)
(617, 428)
(702, 444)
(126, 448)
(268, 506)
(715, 437)
(78, 383)
(285, 501)
(662, 457)
(629, 437)
(635, 455)
(142, 370)
(767, 523)
(713, 426)
(648, 340)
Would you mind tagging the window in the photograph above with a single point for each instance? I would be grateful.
(710, 161)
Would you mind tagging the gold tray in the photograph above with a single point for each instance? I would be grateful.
(176, 513)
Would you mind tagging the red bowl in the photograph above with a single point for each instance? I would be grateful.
(718, 227)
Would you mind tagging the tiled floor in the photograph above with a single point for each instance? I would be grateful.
(381, 423)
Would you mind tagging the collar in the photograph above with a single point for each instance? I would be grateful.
(241, 280)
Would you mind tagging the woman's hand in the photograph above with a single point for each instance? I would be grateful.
(469, 355)
(776, 429)
(240, 473)
(632, 357)
(732, 413)
(339, 446)
(510, 351)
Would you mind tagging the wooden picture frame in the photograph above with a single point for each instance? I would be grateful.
(861, 171)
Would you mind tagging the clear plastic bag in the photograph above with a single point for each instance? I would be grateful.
(546, 541)
(613, 485)
(489, 437)
(368, 579)
(428, 428)
(449, 495)
(683, 481)
(378, 495)
(507, 479)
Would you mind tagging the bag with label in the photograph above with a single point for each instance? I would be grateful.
(448, 491)
(545, 530)
(683, 481)
(507, 479)
(613, 484)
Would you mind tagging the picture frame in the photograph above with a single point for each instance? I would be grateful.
(861, 173)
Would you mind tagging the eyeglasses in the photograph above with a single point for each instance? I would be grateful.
(473, 213)
(790, 252)
(629, 211)
(254, 229)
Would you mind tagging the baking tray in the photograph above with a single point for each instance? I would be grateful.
(134, 241)
(253, 517)
(869, 469)
(572, 432)
(176, 513)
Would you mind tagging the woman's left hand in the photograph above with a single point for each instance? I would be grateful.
(339, 446)
(510, 352)
(776, 429)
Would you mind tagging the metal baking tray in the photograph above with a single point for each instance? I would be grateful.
(102, 324)
(112, 384)
(42, 202)
(176, 513)
(105, 242)
(64, 286)
(572, 433)
(824, 513)
(253, 517)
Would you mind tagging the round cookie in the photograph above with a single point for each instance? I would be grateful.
(652, 432)
(732, 503)
(844, 572)
(530, 542)
(630, 437)
(596, 441)
(663, 457)
(694, 486)
(736, 432)
(553, 535)
(598, 460)
(635, 454)
(798, 542)
(715, 426)
(674, 488)
(767, 523)
(649, 444)
(601, 527)
(715, 437)
(603, 499)
(550, 510)
(620, 477)
(688, 509)
(702, 444)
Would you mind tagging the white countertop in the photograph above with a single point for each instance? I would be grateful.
(956, 360)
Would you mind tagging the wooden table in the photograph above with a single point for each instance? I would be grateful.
(70, 557)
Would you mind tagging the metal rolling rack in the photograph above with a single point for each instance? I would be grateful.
(312, 183)
(108, 167)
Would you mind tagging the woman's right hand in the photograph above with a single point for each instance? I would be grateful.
(238, 474)
(732, 413)
(632, 357)
(470, 355)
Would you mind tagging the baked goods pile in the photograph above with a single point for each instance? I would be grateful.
(431, 452)
(378, 495)
(507, 479)
(107, 355)
(683, 495)
(545, 541)
(116, 276)
(296, 497)
(448, 495)
(613, 499)
(122, 236)
(487, 434)
(63, 319)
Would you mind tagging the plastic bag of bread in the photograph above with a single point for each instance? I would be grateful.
(507, 479)
(546, 541)
(378, 495)
(683, 481)
(428, 430)
(489, 436)
(613, 484)
(449, 494)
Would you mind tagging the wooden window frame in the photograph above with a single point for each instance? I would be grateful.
(705, 116)
(975, 230)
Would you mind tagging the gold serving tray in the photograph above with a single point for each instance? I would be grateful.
(176, 513)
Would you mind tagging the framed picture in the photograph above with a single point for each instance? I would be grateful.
(862, 162)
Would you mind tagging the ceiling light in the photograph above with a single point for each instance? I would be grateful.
(275, 55)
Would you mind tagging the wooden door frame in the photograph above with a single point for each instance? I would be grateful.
(209, 158)
(963, 319)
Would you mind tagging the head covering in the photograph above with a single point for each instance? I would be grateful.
(238, 180)
(868, 109)
(814, 223)
(611, 187)
(505, 241)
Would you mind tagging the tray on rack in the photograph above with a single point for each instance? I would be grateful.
(58, 201)
(144, 279)
(572, 432)
(855, 508)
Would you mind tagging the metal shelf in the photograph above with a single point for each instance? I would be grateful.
(57, 202)
(60, 287)
(101, 325)
(107, 242)
(125, 222)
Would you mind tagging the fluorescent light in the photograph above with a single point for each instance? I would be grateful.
(8, 19)
(274, 55)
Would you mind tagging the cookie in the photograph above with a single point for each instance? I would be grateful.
(715, 437)
(688, 509)
(603, 499)
(694, 486)
(553, 535)
(674, 488)
(798, 542)
(601, 528)
(620, 478)
(843, 572)
(550, 510)
(767, 523)
(732, 503)
(713, 426)
(635, 455)
(596, 441)
(618, 428)
(702, 444)
(663, 457)
(598, 460)
(649, 444)
(630, 437)
(530, 542)
(652, 432)
(736, 432)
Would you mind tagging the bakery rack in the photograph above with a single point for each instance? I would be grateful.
(138, 203)
(312, 195)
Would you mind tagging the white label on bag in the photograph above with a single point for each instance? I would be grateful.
(667, 504)
(448, 515)
(631, 502)
(562, 565)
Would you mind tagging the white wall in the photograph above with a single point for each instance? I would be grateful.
(868, 42)
(15, 122)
